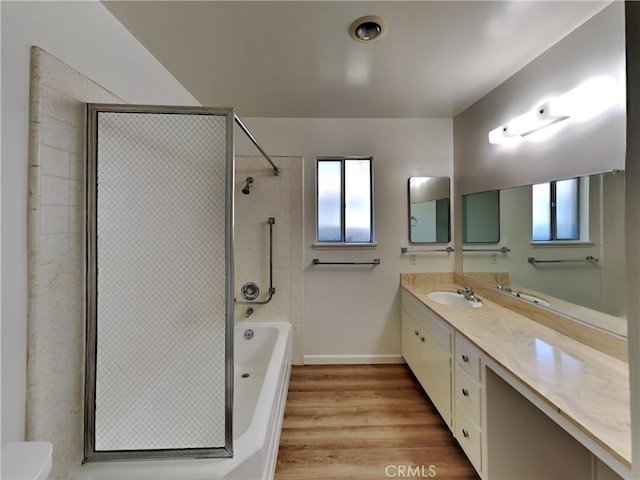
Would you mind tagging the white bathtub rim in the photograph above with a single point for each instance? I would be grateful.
(200, 469)
(255, 435)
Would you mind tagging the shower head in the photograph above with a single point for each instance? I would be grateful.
(247, 186)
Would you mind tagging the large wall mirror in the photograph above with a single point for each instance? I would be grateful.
(429, 217)
(560, 246)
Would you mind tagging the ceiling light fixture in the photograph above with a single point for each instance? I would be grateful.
(367, 29)
(581, 103)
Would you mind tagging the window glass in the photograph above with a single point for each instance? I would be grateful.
(329, 201)
(345, 200)
(541, 212)
(555, 211)
(357, 193)
(567, 209)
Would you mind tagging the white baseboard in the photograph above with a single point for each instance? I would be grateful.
(352, 359)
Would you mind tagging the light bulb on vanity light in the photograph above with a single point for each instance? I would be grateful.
(587, 100)
(581, 103)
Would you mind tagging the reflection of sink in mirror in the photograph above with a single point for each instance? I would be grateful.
(533, 299)
(453, 299)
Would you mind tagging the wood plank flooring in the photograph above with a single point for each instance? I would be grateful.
(364, 422)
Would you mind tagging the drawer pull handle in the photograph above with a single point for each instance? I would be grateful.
(465, 433)
(422, 339)
(416, 332)
(465, 392)
(465, 358)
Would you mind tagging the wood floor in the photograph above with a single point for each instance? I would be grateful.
(364, 422)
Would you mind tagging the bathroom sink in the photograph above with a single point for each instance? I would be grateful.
(533, 299)
(453, 299)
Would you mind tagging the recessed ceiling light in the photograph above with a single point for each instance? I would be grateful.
(368, 28)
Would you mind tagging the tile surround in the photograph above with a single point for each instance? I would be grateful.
(55, 343)
(55, 364)
(279, 197)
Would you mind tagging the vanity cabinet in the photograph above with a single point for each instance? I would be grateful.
(468, 394)
(508, 429)
(427, 348)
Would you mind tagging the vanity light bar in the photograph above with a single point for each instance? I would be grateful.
(582, 103)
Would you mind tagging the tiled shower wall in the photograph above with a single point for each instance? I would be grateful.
(279, 197)
(55, 365)
(55, 368)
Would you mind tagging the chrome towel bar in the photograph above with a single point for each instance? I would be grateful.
(406, 250)
(499, 250)
(316, 261)
(589, 259)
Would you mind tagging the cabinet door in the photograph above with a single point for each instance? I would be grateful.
(434, 374)
(410, 341)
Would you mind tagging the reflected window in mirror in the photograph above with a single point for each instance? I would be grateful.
(556, 210)
(429, 210)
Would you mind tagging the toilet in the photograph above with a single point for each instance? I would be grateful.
(26, 460)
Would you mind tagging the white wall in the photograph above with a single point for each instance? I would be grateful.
(596, 48)
(351, 313)
(87, 37)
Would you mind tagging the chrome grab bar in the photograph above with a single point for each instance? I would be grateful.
(271, 221)
(589, 259)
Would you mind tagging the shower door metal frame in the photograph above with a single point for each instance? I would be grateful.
(91, 267)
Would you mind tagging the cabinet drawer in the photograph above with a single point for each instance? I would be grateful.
(469, 438)
(435, 327)
(468, 395)
(468, 357)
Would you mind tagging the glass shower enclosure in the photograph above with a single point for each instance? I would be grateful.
(159, 352)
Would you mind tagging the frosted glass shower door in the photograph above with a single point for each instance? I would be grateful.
(159, 297)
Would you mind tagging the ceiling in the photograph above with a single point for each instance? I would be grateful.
(296, 59)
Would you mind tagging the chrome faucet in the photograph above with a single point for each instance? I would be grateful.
(467, 291)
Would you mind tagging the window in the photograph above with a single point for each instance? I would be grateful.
(555, 211)
(345, 200)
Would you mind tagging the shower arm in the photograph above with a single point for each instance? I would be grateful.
(276, 170)
(272, 290)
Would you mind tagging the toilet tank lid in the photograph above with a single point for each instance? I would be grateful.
(26, 460)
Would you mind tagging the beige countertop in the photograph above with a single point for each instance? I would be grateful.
(587, 387)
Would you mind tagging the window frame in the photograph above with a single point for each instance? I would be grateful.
(342, 242)
(553, 214)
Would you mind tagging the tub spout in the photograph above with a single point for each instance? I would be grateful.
(249, 312)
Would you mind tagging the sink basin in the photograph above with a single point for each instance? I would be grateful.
(533, 299)
(453, 299)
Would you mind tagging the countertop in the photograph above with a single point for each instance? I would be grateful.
(584, 385)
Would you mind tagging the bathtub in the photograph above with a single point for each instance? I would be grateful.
(258, 409)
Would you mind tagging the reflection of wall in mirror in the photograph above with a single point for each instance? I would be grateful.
(423, 221)
(430, 221)
(614, 294)
(481, 217)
